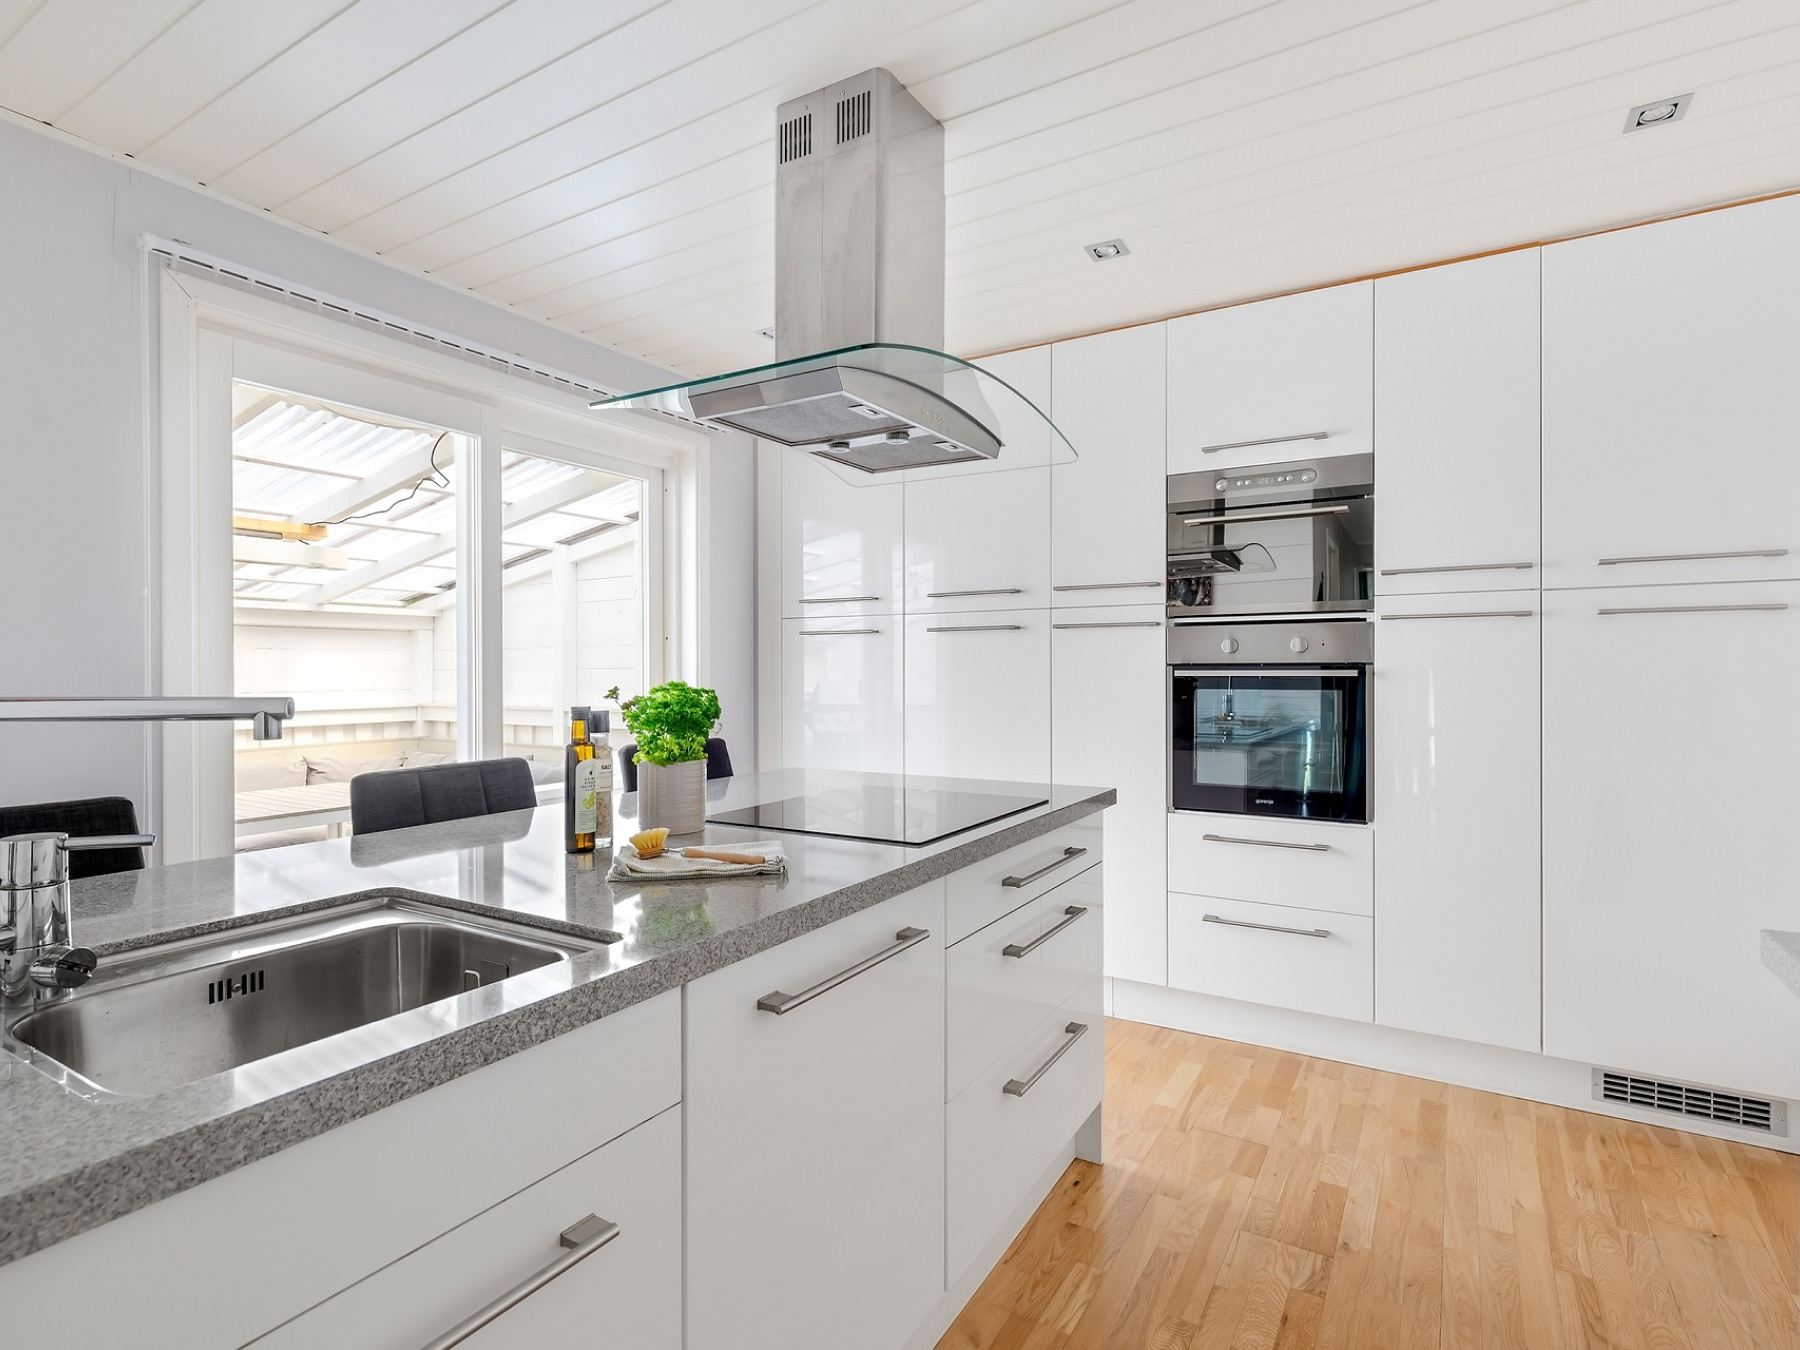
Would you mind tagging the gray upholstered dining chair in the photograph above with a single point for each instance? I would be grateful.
(83, 818)
(395, 799)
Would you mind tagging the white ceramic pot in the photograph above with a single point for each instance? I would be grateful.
(672, 796)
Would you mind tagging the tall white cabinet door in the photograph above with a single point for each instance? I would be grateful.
(842, 705)
(1295, 373)
(841, 545)
(978, 541)
(1456, 415)
(978, 695)
(815, 1139)
(1107, 695)
(1670, 401)
(1456, 778)
(1670, 753)
(1106, 508)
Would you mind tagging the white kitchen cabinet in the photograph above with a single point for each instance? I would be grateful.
(978, 695)
(842, 704)
(215, 1266)
(1456, 779)
(1285, 379)
(1273, 860)
(1313, 960)
(1456, 416)
(815, 1139)
(1108, 693)
(1109, 393)
(978, 542)
(631, 1285)
(842, 545)
(1007, 978)
(1670, 753)
(1670, 401)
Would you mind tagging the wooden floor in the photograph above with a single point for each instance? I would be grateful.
(1253, 1198)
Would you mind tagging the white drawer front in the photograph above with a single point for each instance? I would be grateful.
(1273, 862)
(979, 894)
(351, 1200)
(1309, 959)
(997, 998)
(998, 1143)
(631, 1286)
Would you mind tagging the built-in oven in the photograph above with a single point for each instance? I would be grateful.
(1277, 539)
(1271, 718)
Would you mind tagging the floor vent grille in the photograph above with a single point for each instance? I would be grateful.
(854, 115)
(1692, 1100)
(796, 138)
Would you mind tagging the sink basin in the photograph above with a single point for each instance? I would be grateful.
(171, 1014)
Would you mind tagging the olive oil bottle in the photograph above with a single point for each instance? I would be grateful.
(581, 786)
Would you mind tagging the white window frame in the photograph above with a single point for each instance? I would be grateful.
(209, 334)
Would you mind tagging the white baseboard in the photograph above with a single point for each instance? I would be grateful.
(1514, 1073)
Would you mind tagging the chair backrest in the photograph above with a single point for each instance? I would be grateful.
(86, 816)
(718, 762)
(395, 799)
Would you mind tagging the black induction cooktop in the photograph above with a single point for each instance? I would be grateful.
(885, 815)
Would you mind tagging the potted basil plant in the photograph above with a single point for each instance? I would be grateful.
(671, 723)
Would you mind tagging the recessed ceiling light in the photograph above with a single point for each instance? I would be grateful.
(1657, 113)
(768, 333)
(1111, 248)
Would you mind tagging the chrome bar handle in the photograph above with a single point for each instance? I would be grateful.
(835, 632)
(1266, 927)
(1468, 614)
(951, 595)
(1018, 1087)
(779, 1003)
(582, 1238)
(1249, 517)
(1068, 855)
(1133, 623)
(1115, 586)
(1697, 609)
(1014, 949)
(1697, 557)
(1458, 567)
(1265, 843)
(1267, 440)
(979, 628)
(835, 599)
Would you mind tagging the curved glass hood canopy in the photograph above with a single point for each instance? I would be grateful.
(873, 409)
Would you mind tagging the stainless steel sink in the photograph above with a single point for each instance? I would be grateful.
(171, 1014)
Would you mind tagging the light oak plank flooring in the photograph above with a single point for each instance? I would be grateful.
(1259, 1200)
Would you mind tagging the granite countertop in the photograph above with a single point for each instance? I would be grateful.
(75, 1159)
(1781, 954)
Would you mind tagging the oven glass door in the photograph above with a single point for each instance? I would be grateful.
(1269, 742)
(1279, 560)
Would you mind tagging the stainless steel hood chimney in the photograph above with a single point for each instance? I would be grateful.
(859, 304)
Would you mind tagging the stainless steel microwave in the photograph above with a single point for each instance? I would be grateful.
(1295, 538)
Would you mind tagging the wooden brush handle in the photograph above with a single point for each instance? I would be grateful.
(716, 855)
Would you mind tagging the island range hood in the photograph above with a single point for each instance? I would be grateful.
(859, 378)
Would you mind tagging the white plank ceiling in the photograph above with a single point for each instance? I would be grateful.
(608, 165)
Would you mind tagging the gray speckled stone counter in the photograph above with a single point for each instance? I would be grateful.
(1781, 954)
(73, 1160)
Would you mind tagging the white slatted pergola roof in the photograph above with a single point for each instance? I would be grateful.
(384, 496)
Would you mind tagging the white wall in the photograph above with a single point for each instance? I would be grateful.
(732, 601)
(78, 384)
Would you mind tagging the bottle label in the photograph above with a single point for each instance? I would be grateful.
(587, 796)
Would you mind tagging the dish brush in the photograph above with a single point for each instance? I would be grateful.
(649, 844)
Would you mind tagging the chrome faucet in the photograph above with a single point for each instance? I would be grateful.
(265, 715)
(38, 955)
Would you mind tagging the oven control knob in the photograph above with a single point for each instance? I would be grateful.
(1299, 644)
(1228, 646)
